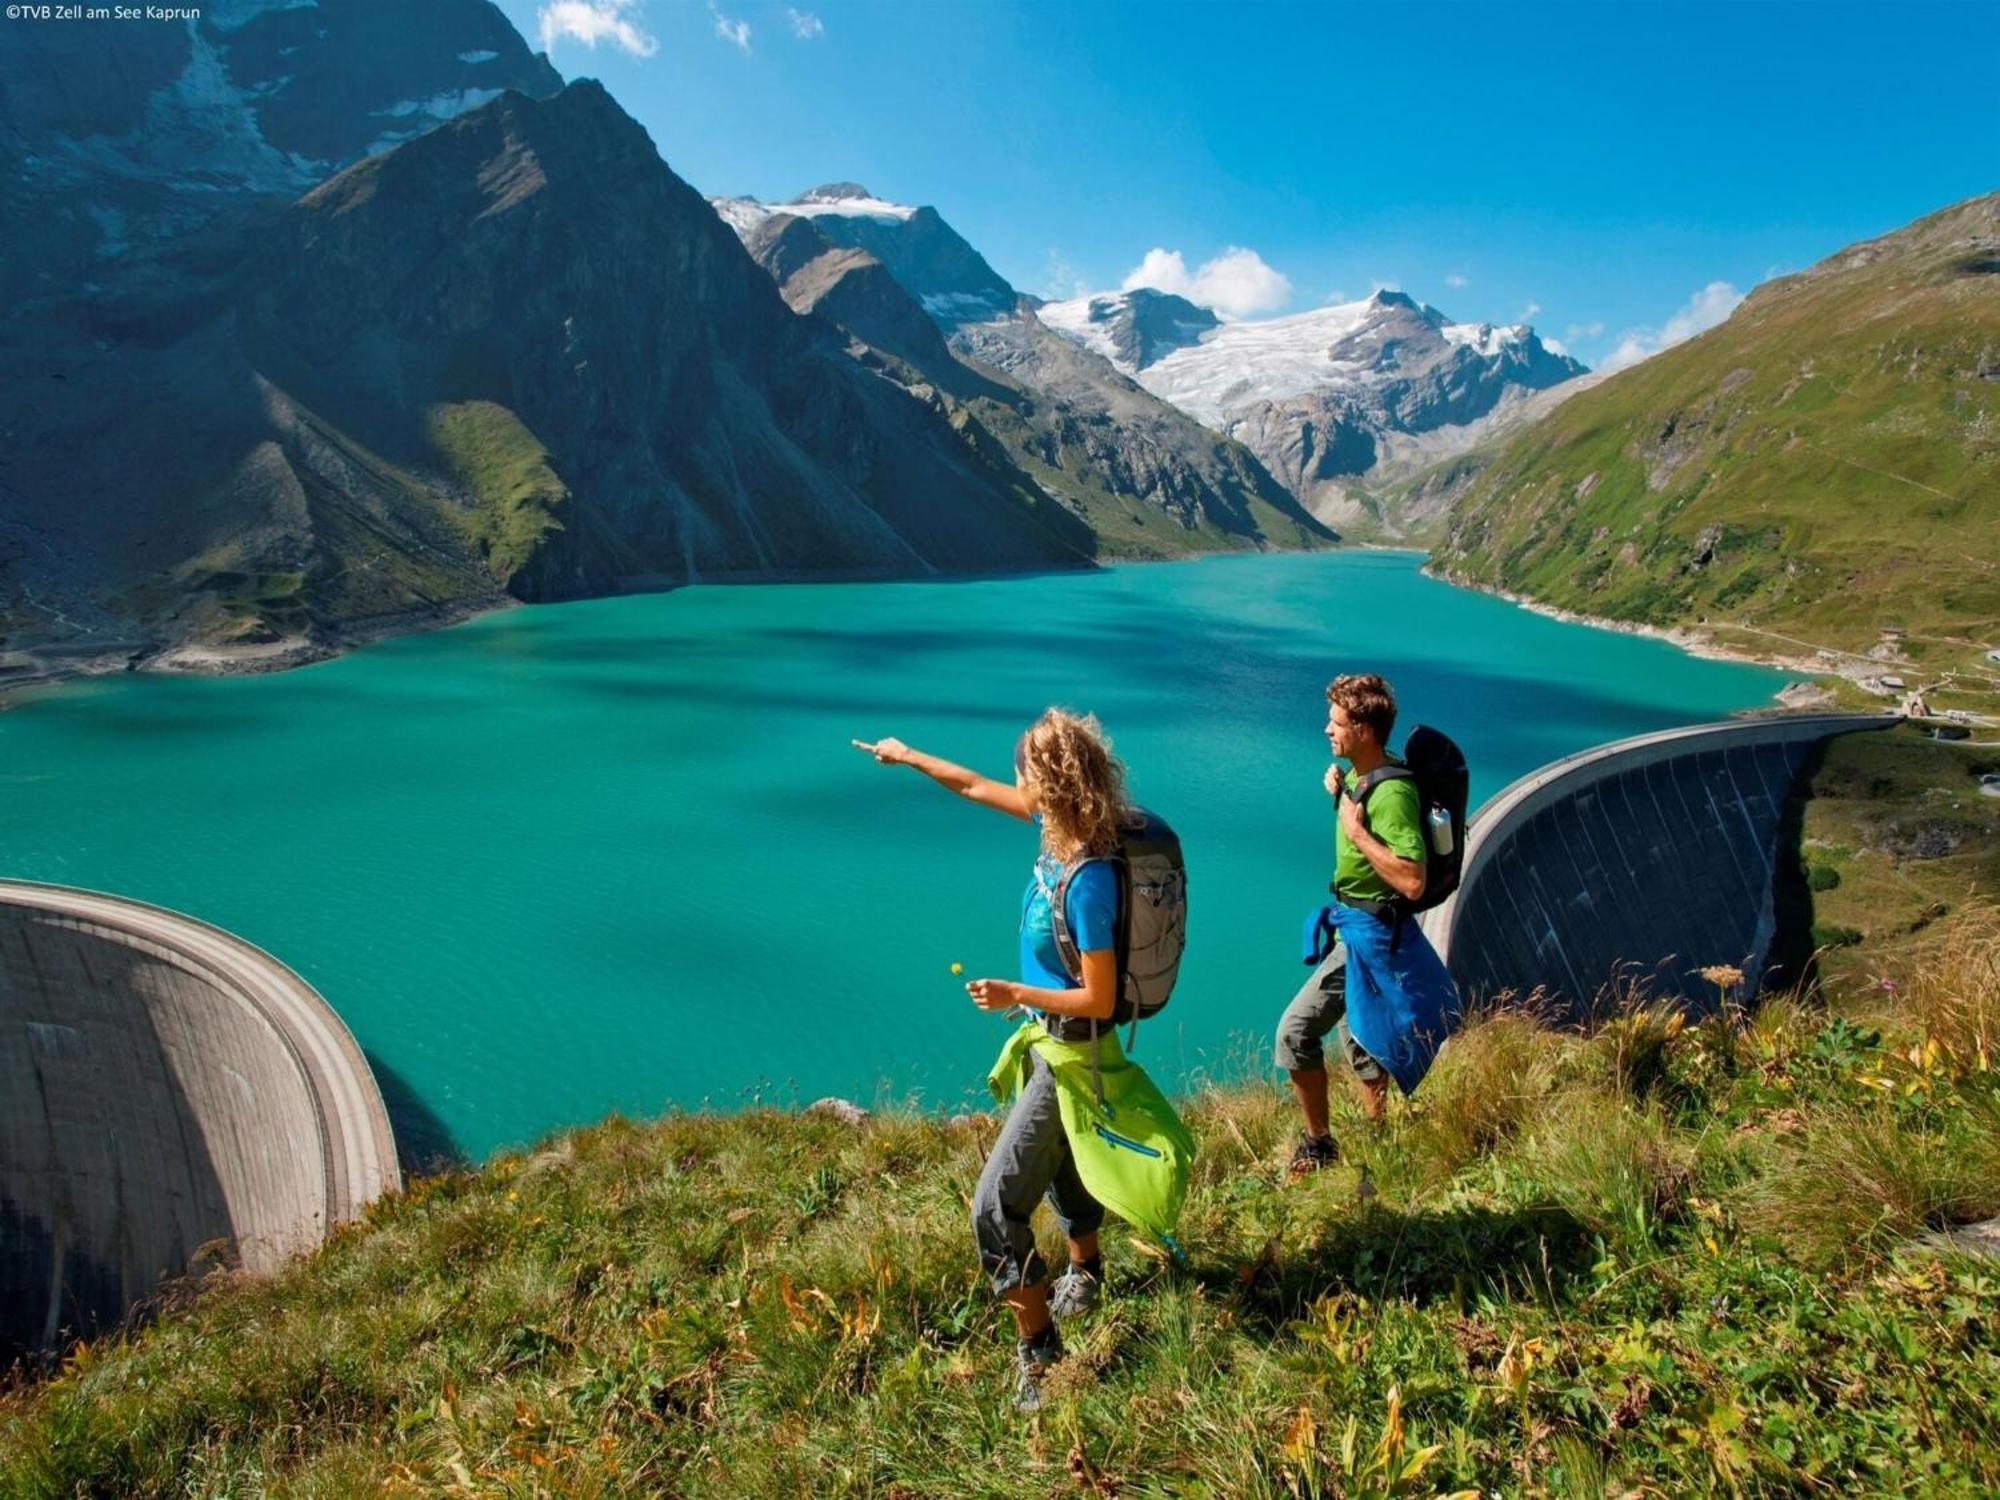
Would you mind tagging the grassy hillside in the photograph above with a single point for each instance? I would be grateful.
(1664, 1261)
(515, 495)
(1821, 466)
(1896, 837)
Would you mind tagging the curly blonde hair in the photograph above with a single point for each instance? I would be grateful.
(1080, 784)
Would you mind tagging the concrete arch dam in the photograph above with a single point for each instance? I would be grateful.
(165, 1090)
(1654, 857)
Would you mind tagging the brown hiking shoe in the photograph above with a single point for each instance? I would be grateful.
(1311, 1154)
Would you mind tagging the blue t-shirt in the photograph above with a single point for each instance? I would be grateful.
(1090, 904)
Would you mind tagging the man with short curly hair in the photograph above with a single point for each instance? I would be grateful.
(1379, 858)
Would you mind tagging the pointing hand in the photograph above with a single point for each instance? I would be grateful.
(887, 751)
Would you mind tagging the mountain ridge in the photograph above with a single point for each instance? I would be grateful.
(1323, 396)
(1117, 456)
(1821, 465)
(515, 356)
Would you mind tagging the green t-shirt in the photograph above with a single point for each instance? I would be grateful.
(1396, 818)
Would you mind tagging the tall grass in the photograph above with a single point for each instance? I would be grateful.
(1664, 1258)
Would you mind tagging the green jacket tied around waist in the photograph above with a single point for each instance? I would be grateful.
(1131, 1150)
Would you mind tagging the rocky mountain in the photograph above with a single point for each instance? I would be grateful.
(926, 255)
(1132, 329)
(1324, 398)
(513, 353)
(1150, 481)
(1420, 477)
(1823, 464)
(123, 134)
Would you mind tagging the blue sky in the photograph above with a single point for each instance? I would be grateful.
(1617, 173)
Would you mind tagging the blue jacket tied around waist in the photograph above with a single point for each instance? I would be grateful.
(1401, 1002)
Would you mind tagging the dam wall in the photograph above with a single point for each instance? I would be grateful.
(169, 1094)
(1652, 857)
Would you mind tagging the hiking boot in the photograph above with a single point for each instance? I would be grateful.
(1032, 1359)
(1312, 1153)
(1074, 1293)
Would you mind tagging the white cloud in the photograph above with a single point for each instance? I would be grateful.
(1702, 311)
(592, 21)
(1528, 312)
(1555, 346)
(805, 25)
(1456, 282)
(1237, 283)
(1591, 330)
(736, 33)
(1060, 281)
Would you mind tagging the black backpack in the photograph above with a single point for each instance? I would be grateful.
(1437, 766)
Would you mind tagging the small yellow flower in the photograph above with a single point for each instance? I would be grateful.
(958, 968)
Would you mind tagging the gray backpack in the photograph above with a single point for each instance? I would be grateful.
(1152, 918)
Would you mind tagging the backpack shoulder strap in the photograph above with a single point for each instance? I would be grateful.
(1389, 770)
(1059, 913)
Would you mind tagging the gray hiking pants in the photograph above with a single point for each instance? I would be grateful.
(1031, 1158)
(1321, 1007)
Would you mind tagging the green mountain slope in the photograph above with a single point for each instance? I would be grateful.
(1821, 467)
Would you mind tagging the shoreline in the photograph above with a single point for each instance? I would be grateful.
(193, 659)
(199, 660)
(1699, 641)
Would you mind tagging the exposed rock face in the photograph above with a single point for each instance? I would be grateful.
(129, 133)
(927, 256)
(516, 352)
(1089, 421)
(1324, 398)
(853, 290)
(1149, 480)
(1132, 329)
(543, 258)
(1419, 478)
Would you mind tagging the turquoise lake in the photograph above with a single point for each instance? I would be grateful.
(619, 855)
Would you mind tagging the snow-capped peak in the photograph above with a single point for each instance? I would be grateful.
(1265, 360)
(1485, 338)
(1085, 321)
(741, 214)
(1212, 371)
(849, 199)
(1131, 329)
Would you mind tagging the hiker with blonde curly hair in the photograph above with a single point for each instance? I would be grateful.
(1069, 784)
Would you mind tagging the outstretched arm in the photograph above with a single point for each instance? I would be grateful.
(1002, 796)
